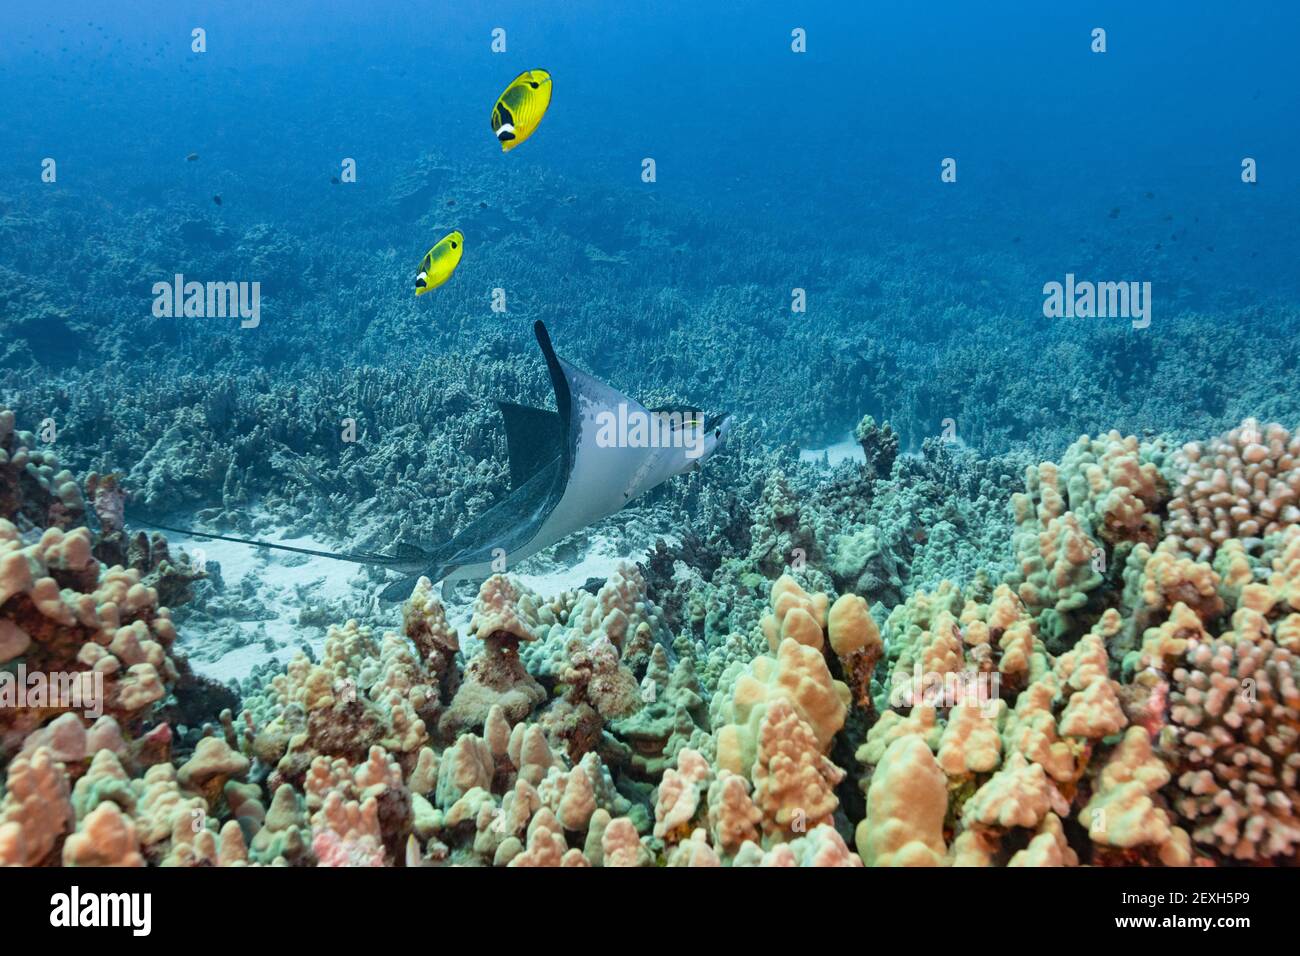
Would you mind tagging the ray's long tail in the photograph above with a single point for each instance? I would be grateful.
(405, 557)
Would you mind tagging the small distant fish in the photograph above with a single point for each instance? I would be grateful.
(520, 108)
(440, 262)
(1149, 194)
(1114, 213)
(217, 200)
(451, 202)
(192, 158)
(482, 205)
(334, 180)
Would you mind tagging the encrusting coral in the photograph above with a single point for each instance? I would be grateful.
(1125, 695)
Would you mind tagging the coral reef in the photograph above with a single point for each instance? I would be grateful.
(1125, 694)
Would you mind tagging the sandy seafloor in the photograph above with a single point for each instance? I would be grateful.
(280, 584)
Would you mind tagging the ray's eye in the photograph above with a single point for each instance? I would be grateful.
(717, 433)
(534, 84)
(453, 245)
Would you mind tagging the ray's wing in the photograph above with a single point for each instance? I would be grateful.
(534, 438)
(601, 476)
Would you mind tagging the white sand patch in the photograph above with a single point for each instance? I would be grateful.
(832, 455)
(240, 662)
(281, 584)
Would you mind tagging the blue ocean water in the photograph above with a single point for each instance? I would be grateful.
(820, 170)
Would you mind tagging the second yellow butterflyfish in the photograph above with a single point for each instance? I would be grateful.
(440, 262)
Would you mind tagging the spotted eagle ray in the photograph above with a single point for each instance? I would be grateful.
(569, 469)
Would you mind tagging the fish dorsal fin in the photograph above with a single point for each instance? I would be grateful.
(534, 438)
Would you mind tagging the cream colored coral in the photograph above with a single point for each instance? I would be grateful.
(976, 847)
(211, 758)
(1057, 565)
(795, 615)
(621, 845)
(424, 620)
(1018, 795)
(36, 811)
(546, 846)
(1164, 645)
(1094, 712)
(732, 816)
(797, 675)
(970, 742)
(466, 764)
(1243, 484)
(923, 721)
(794, 783)
(1121, 812)
(851, 628)
(906, 805)
(1031, 730)
(620, 610)
(821, 847)
(694, 851)
(678, 798)
(505, 606)
(106, 837)
(1049, 847)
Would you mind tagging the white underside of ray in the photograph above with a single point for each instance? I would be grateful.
(604, 477)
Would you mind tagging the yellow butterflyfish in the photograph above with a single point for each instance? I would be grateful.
(520, 108)
(440, 262)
